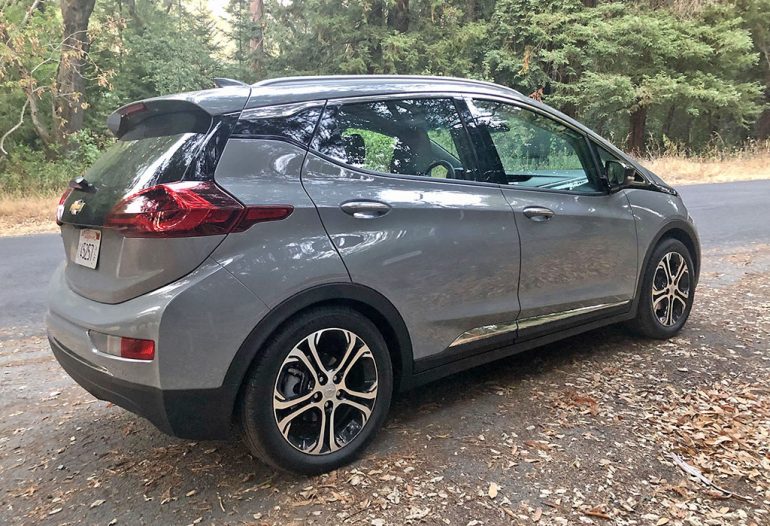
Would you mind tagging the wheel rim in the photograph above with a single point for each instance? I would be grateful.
(325, 391)
(670, 289)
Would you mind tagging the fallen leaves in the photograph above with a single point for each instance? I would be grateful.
(577, 433)
(492, 492)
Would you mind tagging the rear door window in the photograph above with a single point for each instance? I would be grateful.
(422, 137)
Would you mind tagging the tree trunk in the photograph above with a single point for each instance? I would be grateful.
(763, 122)
(669, 121)
(375, 19)
(257, 41)
(636, 133)
(70, 84)
(470, 11)
(398, 18)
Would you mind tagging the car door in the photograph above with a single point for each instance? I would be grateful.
(394, 183)
(578, 240)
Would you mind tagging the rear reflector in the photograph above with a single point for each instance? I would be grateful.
(132, 348)
(186, 209)
(136, 349)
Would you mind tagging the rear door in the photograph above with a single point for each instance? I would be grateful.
(396, 184)
(578, 241)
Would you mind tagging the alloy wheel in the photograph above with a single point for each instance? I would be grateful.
(325, 391)
(670, 289)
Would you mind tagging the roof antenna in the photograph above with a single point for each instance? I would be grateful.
(221, 82)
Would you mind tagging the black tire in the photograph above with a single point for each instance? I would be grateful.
(652, 323)
(258, 417)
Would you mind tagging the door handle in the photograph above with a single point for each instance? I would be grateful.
(365, 209)
(538, 213)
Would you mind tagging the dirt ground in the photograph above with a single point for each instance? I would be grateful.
(579, 432)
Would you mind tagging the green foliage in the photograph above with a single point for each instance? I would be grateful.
(685, 74)
(29, 171)
(159, 52)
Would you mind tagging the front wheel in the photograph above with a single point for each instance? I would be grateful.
(319, 393)
(667, 293)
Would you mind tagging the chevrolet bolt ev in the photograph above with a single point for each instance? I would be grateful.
(280, 258)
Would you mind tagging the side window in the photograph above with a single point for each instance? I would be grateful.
(411, 137)
(605, 155)
(293, 122)
(537, 151)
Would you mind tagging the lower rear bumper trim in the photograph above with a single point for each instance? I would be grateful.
(194, 414)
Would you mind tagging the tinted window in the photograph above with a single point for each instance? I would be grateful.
(411, 137)
(605, 155)
(535, 150)
(141, 163)
(295, 122)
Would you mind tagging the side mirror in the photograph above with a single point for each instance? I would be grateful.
(619, 174)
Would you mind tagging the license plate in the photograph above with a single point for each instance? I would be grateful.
(88, 248)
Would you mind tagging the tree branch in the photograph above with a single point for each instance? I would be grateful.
(14, 128)
(34, 113)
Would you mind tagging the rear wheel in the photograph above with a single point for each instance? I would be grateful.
(668, 289)
(319, 393)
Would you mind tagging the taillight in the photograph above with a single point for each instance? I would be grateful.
(185, 209)
(259, 214)
(60, 207)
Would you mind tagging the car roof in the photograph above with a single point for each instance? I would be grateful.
(302, 89)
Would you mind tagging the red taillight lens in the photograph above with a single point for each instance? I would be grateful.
(186, 209)
(259, 214)
(136, 107)
(60, 207)
(137, 349)
(176, 210)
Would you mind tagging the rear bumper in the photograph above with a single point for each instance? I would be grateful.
(197, 323)
(189, 413)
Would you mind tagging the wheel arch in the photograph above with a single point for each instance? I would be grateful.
(365, 300)
(681, 231)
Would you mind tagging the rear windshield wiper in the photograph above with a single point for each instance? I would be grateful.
(80, 183)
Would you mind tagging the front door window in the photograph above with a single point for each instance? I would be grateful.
(536, 151)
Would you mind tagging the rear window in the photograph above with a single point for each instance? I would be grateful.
(131, 166)
(138, 164)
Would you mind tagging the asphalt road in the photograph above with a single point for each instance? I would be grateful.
(727, 214)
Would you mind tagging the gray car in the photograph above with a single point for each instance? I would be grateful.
(279, 259)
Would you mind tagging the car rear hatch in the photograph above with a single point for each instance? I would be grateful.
(148, 211)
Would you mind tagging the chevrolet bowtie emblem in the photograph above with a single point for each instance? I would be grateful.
(77, 206)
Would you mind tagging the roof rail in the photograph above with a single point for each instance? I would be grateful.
(221, 82)
(331, 78)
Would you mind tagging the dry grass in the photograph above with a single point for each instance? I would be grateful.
(747, 164)
(27, 215)
(681, 170)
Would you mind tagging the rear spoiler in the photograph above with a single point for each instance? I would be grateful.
(183, 113)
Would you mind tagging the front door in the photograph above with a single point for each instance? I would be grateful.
(394, 181)
(578, 241)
